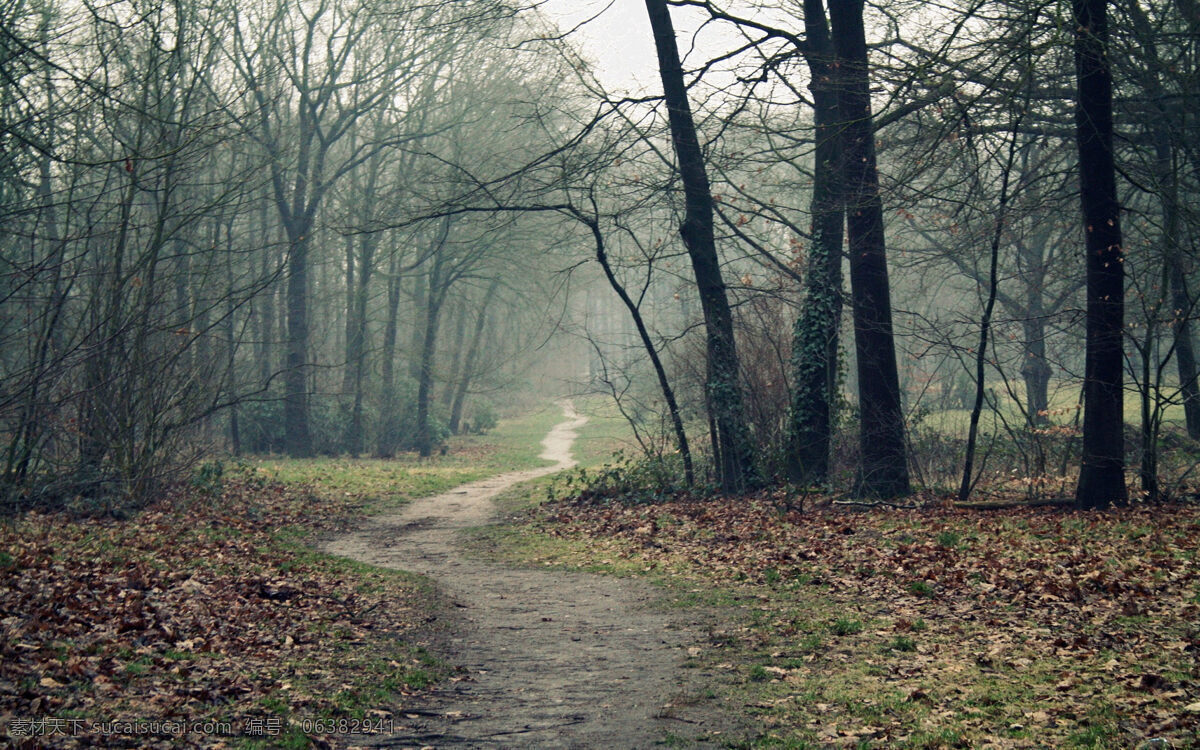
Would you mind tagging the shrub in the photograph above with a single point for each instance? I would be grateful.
(638, 479)
(483, 416)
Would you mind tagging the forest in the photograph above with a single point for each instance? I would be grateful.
(830, 256)
(353, 229)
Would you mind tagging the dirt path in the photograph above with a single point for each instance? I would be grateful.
(552, 659)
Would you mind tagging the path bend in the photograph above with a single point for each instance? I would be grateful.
(552, 659)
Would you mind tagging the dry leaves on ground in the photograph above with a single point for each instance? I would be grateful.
(199, 609)
(1012, 627)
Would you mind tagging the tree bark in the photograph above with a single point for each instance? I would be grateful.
(1185, 351)
(232, 303)
(1035, 369)
(425, 380)
(356, 343)
(1102, 474)
(468, 367)
(265, 308)
(386, 444)
(417, 335)
(348, 333)
(297, 438)
(438, 287)
(731, 441)
(884, 469)
(1167, 184)
(815, 335)
(456, 355)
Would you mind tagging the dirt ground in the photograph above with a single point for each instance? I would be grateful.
(548, 658)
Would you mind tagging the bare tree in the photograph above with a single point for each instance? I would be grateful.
(314, 72)
(884, 471)
(730, 438)
(1102, 476)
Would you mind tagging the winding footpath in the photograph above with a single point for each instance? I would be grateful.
(552, 659)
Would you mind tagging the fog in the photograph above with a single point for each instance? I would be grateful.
(359, 228)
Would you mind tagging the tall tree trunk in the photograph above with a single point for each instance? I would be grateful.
(356, 343)
(815, 335)
(1166, 176)
(351, 321)
(438, 286)
(735, 469)
(1035, 369)
(468, 367)
(456, 355)
(266, 306)
(884, 470)
(358, 286)
(183, 296)
(386, 443)
(420, 295)
(232, 302)
(1102, 474)
(1185, 351)
(433, 310)
(297, 438)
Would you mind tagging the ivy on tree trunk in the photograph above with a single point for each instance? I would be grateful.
(815, 335)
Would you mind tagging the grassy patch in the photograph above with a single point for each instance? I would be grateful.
(378, 484)
(605, 433)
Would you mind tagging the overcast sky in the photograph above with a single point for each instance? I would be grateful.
(619, 39)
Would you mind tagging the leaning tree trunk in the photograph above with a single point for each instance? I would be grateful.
(731, 441)
(664, 383)
(884, 469)
(815, 335)
(1102, 474)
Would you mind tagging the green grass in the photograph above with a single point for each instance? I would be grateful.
(921, 588)
(949, 539)
(1063, 403)
(903, 643)
(605, 433)
(384, 483)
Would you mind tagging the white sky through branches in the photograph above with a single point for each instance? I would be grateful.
(619, 41)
